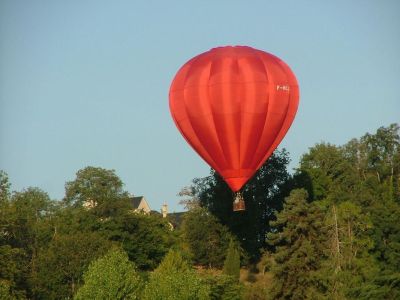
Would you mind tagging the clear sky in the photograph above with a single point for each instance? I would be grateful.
(86, 82)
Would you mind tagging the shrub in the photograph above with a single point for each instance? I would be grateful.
(111, 277)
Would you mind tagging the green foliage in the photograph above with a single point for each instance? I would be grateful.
(299, 244)
(27, 213)
(4, 187)
(223, 287)
(175, 280)
(97, 188)
(350, 269)
(256, 291)
(5, 293)
(328, 170)
(112, 276)
(205, 238)
(386, 234)
(381, 152)
(342, 242)
(263, 195)
(13, 270)
(24, 231)
(146, 238)
(59, 267)
(232, 261)
(357, 187)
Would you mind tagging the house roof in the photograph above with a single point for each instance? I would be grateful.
(135, 201)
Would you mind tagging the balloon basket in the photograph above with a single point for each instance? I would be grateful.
(238, 202)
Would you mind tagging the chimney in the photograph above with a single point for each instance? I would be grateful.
(164, 210)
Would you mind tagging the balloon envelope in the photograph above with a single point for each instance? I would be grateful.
(234, 105)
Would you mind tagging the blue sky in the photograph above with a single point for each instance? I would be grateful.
(86, 82)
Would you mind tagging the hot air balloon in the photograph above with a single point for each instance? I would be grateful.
(234, 105)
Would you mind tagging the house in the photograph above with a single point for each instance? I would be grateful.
(139, 204)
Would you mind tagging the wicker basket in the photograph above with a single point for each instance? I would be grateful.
(239, 205)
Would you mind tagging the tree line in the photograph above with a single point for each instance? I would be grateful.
(330, 230)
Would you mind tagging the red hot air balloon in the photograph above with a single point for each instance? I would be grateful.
(234, 105)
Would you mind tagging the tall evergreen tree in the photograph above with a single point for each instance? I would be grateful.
(232, 261)
(299, 242)
(205, 238)
(349, 271)
(263, 194)
(357, 186)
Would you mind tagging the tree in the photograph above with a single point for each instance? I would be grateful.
(382, 152)
(4, 206)
(222, 287)
(356, 185)
(112, 276)
(299, 248)
(263, 194)
(329, 171)
(384, 282)
(204, 237)
(232, 261)
(349, 270)
(60, 266)
(146, 238)
(189, 199)
(24, 233)
(386, 235)
(175, 280)
(99, 189)
(13, 271)
(27, 212)
(5, 290)
(4, 187)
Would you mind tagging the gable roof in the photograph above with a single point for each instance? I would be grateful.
(135, 201)
(139, 204)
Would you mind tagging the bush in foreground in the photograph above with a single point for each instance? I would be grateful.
(111, 277)
(175, 280)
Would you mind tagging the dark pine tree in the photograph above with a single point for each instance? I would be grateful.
(299, 243)
(263, 195)
(232, 261)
